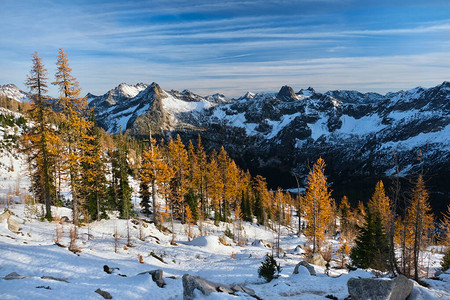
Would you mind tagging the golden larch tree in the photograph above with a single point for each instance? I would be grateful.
(215, 187)
(317, 205)
(73, 126)
(345, 212)
(155, 173)
(420, 220)
(445, 227)
(382, 204)
(178, 160)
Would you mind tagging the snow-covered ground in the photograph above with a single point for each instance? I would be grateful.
(32, 253)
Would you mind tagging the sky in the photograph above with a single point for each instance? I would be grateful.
(231, 47)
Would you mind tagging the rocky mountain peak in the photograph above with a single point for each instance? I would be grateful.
(287, 94)
(151, 93)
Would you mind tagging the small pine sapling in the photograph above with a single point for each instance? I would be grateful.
(268, 268)
(445, 263)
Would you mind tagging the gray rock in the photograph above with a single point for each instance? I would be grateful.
(104, 294)
(310, 268)
(316, 259)
(237, 288)
(379, 289)
(13, 225)
(13, 275)
(157, 276)
(190, 283)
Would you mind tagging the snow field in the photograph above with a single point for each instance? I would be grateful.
(33, 253)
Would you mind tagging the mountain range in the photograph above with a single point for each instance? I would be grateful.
(363, 137)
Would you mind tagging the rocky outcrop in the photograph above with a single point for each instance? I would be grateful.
(5, 215)
(13, 225)
(286, 93)
(206, 287)
(379, 289)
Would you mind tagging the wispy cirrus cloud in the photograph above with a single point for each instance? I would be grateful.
(231, 46)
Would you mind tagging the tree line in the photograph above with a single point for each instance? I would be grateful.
(65, 148)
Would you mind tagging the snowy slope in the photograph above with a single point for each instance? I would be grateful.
(11, 91)
(34, 255)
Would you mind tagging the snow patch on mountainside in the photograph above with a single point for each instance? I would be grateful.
(174, 105)
(131, 91)
(318, 128)
(277, 126)
(361, 126)
(440, 138)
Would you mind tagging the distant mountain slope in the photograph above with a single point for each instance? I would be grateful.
(12, 92)
(358, 134)
(132, 107)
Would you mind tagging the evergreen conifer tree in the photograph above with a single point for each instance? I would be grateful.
(371, 245)
(120, 190)
(41, 139)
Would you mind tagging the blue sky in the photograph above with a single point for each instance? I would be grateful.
(231, 46)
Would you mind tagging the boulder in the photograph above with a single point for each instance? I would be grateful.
(64, 219)
(310, 268)
(13, 225)
(5, 215)
(379, 289)
(104, 294)
(157, 276)
(316, 259)
(190, 283)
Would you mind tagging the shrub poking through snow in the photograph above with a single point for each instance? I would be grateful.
(268, 268)
(140, 258)
(58, 235)
(73, 240)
